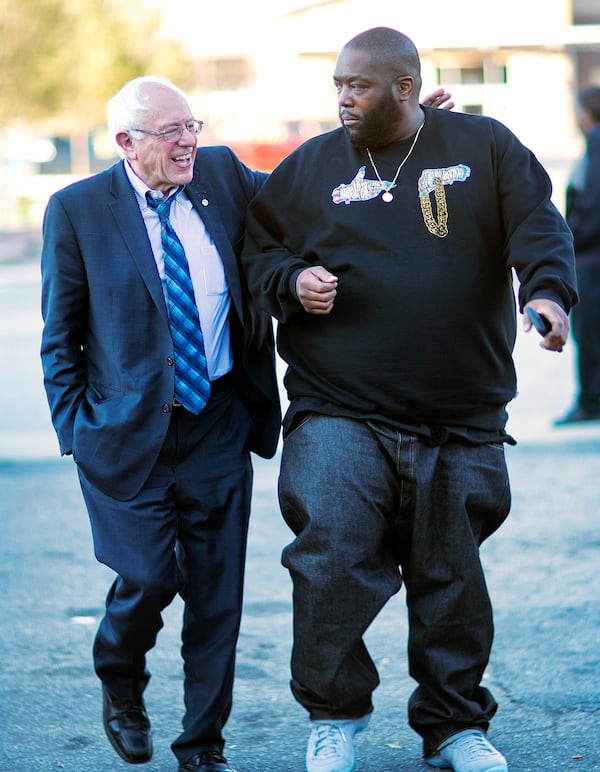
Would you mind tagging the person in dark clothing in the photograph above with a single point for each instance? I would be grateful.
(167, 483)
(162, 445)
(583, 217)
(385, 249)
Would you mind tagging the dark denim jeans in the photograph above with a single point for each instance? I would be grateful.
(363, 500)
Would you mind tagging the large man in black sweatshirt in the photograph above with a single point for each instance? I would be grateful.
(385, 249)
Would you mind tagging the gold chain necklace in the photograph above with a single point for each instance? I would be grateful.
(387, 196)
(438, 227)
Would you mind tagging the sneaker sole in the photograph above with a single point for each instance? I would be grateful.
(444, 765)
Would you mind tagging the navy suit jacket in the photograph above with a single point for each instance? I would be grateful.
(106, 343)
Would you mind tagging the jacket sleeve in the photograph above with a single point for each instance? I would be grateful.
(250, 181)
(64, 311)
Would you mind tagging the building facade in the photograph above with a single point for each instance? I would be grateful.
(522, 62)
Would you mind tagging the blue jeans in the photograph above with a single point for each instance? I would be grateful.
(372, 506)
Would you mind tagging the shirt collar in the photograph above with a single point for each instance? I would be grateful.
(140, 188)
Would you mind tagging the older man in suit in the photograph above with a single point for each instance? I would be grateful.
(160, 421)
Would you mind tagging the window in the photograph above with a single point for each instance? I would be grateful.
(472, 73)
(224, 74)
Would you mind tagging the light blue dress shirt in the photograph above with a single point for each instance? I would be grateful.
(206, 271)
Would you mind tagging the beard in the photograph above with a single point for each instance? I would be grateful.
(378, 126)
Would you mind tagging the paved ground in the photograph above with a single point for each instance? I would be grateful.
(542, 567)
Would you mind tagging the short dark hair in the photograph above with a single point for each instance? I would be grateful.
(589, 99)
(390, 50)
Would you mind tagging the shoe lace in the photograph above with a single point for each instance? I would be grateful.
(211, 756)
(474, 746)
(131, 713)
(328, 741)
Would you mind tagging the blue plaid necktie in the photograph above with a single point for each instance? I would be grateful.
(192, 387)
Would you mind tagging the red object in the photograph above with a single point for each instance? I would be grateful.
(264, 156)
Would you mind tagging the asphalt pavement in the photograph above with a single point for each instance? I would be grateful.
(542, 566)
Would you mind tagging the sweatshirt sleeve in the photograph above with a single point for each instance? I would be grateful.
(268, 258)
(539, 244)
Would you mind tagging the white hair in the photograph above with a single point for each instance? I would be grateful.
(129, 108)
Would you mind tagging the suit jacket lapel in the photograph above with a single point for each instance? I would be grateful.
(127, 215)
(129, 220)
(205, 203)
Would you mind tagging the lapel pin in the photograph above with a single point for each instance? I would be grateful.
(204, 202)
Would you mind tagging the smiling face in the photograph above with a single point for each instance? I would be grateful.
(160, 164)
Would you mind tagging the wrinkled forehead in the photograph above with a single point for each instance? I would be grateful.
(166, 107)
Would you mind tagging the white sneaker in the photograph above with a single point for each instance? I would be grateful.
(468, 751)
(330, 745)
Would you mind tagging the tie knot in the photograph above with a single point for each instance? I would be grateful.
(162, 206)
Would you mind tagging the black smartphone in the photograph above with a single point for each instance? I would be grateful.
(541, 324)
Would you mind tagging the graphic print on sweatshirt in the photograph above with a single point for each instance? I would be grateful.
(359, 189)
(430, 181)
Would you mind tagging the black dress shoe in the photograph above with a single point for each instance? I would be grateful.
(206, 761)
(579, 414)
(127, 727)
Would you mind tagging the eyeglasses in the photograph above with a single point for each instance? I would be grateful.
(174, 133)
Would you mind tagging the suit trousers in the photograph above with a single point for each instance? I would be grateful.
(185, 532)
(372, 506)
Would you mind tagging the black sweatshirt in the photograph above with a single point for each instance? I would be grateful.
(423, 326)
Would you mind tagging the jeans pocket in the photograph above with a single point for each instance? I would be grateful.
(300, 419)
(495, 474)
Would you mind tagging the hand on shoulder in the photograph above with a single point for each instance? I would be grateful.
(439, 98)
